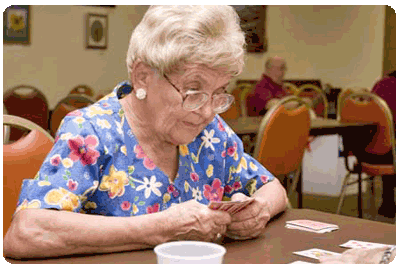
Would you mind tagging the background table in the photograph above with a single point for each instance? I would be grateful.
(275, 245)
(319, 126)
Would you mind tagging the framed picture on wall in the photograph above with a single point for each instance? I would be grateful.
(16, 25)
(96, 31)
(252, 21)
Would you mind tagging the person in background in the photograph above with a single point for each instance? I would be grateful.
(269, 89)
(386, 89)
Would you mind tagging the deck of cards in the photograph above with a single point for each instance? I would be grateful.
(232, 207)
(311, 226)
(316, 253)
(362, 244)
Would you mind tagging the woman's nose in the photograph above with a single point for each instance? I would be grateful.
(207, 109)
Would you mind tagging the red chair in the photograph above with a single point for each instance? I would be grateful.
(21, 160)
(27, 102)
(67, 105)
(279, 150)
(367, 107)
(83, 89)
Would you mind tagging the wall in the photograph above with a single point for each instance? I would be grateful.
(341, 45)
(57, 59)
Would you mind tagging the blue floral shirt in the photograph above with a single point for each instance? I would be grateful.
(97, 167)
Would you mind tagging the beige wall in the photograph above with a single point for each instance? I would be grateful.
(57, 59)
(339, 45)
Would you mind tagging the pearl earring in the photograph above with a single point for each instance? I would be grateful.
(141, 93)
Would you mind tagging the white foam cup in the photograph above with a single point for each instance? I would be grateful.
(189, 252)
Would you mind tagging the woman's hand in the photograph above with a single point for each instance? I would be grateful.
(194, 221)
(249, 222)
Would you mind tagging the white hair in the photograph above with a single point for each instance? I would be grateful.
(172, 35)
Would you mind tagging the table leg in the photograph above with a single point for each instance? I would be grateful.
(360, 208)
(300, 190)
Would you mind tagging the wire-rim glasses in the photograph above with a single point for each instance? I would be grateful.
(193, 100)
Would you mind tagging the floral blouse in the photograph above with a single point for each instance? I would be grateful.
(97, 167)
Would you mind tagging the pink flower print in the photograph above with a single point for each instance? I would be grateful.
(264, 178)
(237, 185)
(223, 154)
(231, 151)
(228, 189)
(75, 113)
(55, 160)
(172, 190)
(148, 163)
(139, 151)
(83, 149)
(72, 185)
(153, 209)
(213, 192)
(220, 126)
(125, 205)
(194, 176)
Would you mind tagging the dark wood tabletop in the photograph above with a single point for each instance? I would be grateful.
(275, 245)
(319, 126)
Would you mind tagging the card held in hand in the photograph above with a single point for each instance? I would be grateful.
(232, 207)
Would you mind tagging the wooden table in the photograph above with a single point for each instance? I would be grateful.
(275, 245)
(319, 126)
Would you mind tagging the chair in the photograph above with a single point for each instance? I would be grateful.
(67, 105)
(279, 148)
(21, 160)
(234, 111)
(291, 87)
(315, 94)
(6, 129)
(27, 102)
(367, 107)
(58, 115)
(83, 89)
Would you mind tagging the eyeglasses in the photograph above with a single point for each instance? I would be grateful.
(193, 100)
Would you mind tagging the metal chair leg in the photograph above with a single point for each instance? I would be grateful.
(342, 192)
(360, 207)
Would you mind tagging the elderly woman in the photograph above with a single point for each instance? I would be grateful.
(140, 166)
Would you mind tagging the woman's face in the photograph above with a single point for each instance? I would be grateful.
(172, 123)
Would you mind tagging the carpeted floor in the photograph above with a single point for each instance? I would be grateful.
(330, 203)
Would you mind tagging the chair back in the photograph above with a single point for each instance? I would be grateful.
(21, 160)
(27, 102)
(245, 89)
(59, 112)
(369, 107)
(234, 111)
(319, 99)
(78, 100)
(83, 89)
(6, 129)
(282, 136)
(292, 88)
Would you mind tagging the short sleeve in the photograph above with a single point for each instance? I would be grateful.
(70, 172)
(242, 172)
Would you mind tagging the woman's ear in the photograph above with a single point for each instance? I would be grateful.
(141, 74)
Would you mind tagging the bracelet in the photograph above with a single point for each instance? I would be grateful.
(387, 254)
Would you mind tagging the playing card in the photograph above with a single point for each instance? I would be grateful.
(362, 244)
(313, 225)
(315, 253)
(310, 230)
(232, 207)
(301, 262)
